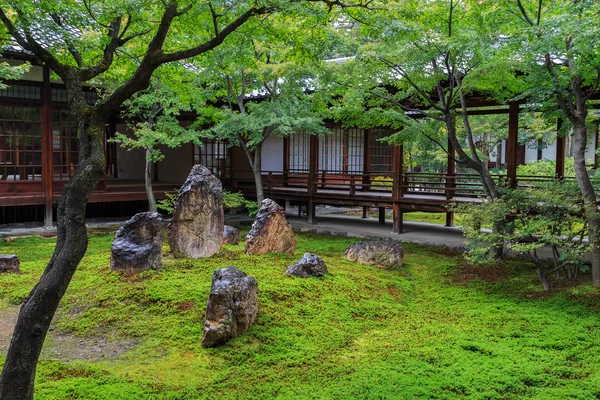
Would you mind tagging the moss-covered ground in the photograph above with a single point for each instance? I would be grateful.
(432, 329)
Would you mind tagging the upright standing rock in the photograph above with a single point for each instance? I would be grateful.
(138, 244)
(196, 230)
(231, 307)
(271, 231)
(9, 263)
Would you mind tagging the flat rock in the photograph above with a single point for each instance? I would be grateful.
(383, 254)
(196, 230)
(231, 307)
(9, 263)
(309, 265)
(271, 232)
(138, 244)
(231, 235)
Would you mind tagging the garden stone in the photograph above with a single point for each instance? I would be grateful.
(232, 306)
(138, 244)
(196, 230)
(231, 235)
(383, 254)
(271, 232)
(9, 263)
(309, 265)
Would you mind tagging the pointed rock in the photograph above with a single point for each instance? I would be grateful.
(309, 265)
(271, 232)
(196, 230)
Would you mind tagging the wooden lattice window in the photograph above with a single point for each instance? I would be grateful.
(215, 156)
(65, 144)
(299, 153)
(380, 151)
(20, 143)
(342, 151)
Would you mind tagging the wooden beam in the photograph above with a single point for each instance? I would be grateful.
(512, 143)
(450, 180)
(313, 157)
(398, 221)
(560, 150)
(596, 146)
(397, 166)
(366, 180)
(381, 215)
(286, 160)
(47, 167)
(449, 218)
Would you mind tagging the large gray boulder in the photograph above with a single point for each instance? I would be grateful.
(309, 265)
(383, 254)
(138, 244)
(196, 229)
(271, 232)
(9, 263)
(231, 235)
(231, 307)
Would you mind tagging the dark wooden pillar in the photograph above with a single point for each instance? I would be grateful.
(397, 166)
(596, 146)
(512, 144)
(365, 212)
(312, 172)
(450, 181)
(398, 222)
(47, 167)
(397, 190)
(286, 160)
(450, 174)
(560, 151)
(381, 215)
(366, 180)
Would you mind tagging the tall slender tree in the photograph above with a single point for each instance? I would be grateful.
(560, 40)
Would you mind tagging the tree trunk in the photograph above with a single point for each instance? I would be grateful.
(588, 194)
(35, 316)
(148, 182)
(543, 278)
(489, 186)
(257, 170)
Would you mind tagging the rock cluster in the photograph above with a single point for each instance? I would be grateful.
(138, 244)
(309, 265)
(231, 307)
(271, 232)
(383, 254)
(9, 263)
(196, 230)
(231, 235)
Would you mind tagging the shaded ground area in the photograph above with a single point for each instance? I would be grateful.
(63, 346)
(434, 328)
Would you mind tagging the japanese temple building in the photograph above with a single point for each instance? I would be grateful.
(349, 167)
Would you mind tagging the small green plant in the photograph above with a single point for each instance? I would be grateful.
(237, 201)
(550, 216)
(231, 200)
(168, 203)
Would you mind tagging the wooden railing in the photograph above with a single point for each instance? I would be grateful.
(412, 183)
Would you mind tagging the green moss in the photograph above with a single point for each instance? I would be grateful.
(358, 333)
